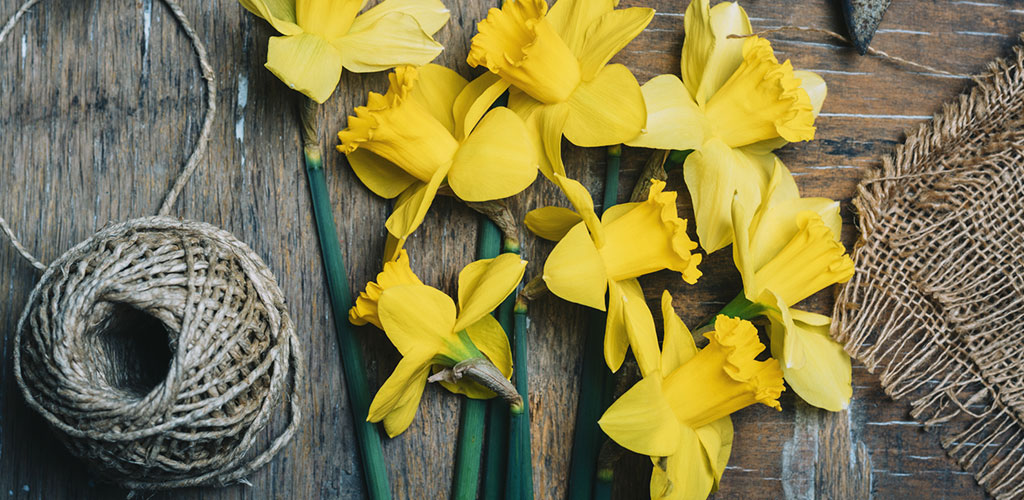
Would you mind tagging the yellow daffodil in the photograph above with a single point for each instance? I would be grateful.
(405, 144)
(679, 413)
(595, 256)
(734, 104)
(320, 37)
(786, 251)
(557, 63)
(423, 324)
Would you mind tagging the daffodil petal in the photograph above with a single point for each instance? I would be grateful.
(581, 200)
(821, 376)
(400, 391)
(709, 56)
(815, 86)
(551, 223)
(616, 338)
(279, 13)
(609, 34)
(327, 18)
(642, 421)
(639, 323)
(713, 174)
(430, 14)
(437, 88)
(306, 63)
(402, 415)
(488, 336)
(474, 101)
(673, 120)
(384, 178)
(571, 18)
(716, 439)
(686, 474)
(606, 110)
(393, 40)
(484, 284)
(546, 125)
(742, 252)
(678, 346)
(496, 161)
(574, 270)
(416, 317)
(411, 206)
(392, 247)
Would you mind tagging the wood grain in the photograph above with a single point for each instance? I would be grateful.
(100, 103)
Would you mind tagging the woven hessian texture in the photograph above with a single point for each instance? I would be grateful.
(161, 351)
(936, 306)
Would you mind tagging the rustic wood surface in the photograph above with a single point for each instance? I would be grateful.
(100, 102)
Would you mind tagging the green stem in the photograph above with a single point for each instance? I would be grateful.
(471, 423)
(367, 434)
(676, 159)
(739, 307)
(603, 486)
(594, 379)
(519, 484)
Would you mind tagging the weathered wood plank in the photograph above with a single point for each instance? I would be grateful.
(101, 103)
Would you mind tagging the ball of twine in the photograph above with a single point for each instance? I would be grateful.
(160, 350)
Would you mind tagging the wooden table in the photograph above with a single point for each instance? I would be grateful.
(100, 102)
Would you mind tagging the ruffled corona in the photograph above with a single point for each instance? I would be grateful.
(762, 100)
(649, 238)
(517, 43)
(811, 261)
(396, 272)
(724, 377)
(400, 130)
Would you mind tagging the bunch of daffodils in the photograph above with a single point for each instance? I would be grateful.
(434, 131)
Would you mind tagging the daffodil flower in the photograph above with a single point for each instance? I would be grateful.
(679, 413)
(405, 144)
(786, 251)
(557, 63)
(424, 325)
(320, 37)
(734, 104)
(594, 256)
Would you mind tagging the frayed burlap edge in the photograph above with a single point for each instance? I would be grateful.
(905, 333)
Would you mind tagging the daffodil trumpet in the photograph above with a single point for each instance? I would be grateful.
(465, 344)
(733, 106)
(421, 135)
(679, 412)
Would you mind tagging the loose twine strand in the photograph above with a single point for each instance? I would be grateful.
(204, 135)
(870, 50)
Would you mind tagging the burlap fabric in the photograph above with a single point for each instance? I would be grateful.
(936, 306)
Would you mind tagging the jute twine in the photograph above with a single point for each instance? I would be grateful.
(937, 302)
(160, 350)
